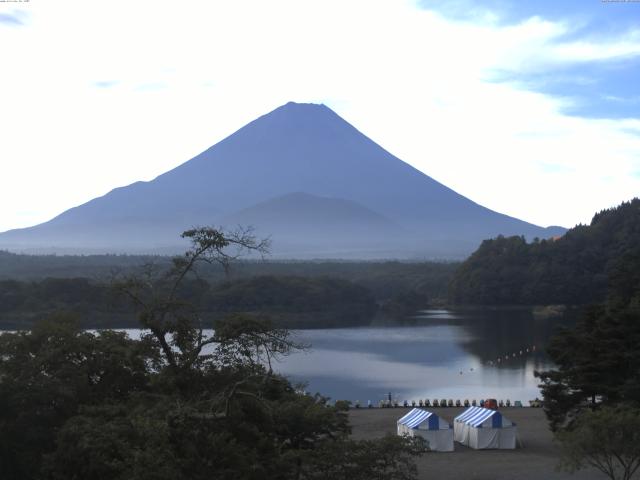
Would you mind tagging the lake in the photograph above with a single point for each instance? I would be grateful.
(457, 354)
(454, 354)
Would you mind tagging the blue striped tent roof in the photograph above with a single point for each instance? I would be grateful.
(476, 416)
(418, 416)
(469, 412)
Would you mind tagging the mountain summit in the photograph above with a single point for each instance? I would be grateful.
(280, 172)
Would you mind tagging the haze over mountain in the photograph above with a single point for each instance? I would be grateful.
(301, 174)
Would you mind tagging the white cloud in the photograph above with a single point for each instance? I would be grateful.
(96, 95)
(627, 45)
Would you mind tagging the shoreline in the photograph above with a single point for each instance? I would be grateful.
(537, 459)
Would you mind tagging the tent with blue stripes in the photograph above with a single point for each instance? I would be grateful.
(429, 426)
(482, 428)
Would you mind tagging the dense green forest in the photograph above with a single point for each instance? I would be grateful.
(384, 279)
(592, 395)
(178, 402)
(578, 268)
(290, 301)
(294, 294)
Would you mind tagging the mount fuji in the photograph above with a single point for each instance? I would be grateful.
(300, 174)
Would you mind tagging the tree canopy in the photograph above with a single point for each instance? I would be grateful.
(592, 395)
(574, 269)
(607, 439)
(176, 403)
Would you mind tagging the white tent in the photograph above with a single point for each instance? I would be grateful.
(429, 426)
(481, 428)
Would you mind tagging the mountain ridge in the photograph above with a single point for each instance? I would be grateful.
(295, 148)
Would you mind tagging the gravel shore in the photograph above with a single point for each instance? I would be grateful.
(537, 459)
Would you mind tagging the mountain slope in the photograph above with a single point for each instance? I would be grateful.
(295, 148)
(304, 224)
(301, 212)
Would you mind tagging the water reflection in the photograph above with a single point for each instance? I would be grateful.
(436, 354)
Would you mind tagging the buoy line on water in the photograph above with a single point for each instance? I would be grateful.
(507, 357)
(391, 402)
(504, 358)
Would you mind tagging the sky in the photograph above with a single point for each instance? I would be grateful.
(529, 108)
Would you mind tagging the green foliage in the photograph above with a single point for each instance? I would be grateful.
(597, 362)
(46, 375)
(223, 248)
(52, 294)
(111, 442)
(247, 341)
(592, 396)
(403, 304)
(176, 403)
(291, 301)
(389, 458)
(324, 302)
(573, 269)
(236, 419)
(607, 439)
(81, 285)
(23, 303)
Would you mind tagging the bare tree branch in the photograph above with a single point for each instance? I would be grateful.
(174, 323)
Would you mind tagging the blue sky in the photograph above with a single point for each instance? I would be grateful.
(529, 108)
(603, 88)
(608, 89)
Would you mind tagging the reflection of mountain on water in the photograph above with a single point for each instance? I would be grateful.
(437, 337)
(501, 334)
(436, 354)
(415, 345)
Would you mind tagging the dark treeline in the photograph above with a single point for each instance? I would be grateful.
(290, 301)
(384, 279)
(32, 267)
(578, 268)
(294, 294)
(296, 301)
(592, 395)
(177, 403)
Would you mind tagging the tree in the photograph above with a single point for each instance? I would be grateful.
(390, 458)
(174, 323)
(49, 373)
(576, 269)
(607, 439)
(217, 246)
(597, 362)
(176, 403)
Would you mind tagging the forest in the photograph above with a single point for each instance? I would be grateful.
(385, 278)
(290, 301)
(575, 269)
(176, 403)
(592, 393)
(294, 294)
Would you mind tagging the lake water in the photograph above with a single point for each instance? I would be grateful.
(436, 354)
(457, 354)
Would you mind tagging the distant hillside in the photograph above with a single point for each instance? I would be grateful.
(581, 267)
(364, 201)
(388, 281)
(309, 225)
(290, 301)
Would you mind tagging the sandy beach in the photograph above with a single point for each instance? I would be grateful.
(537, 459)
